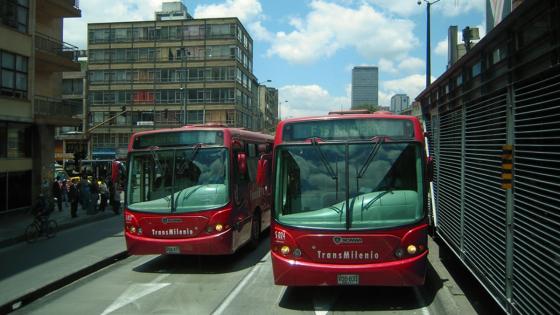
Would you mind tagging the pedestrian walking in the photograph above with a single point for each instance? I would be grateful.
(94, 191)
(104, 193)
(116, 199)
(74, 196)
(85, 195)
(64, 187)
(57, 192)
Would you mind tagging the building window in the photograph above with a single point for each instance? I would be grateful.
(72, 86)
(13, 81)
(15, 141)
(15, 13)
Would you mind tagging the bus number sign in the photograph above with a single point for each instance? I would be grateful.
(280, 235)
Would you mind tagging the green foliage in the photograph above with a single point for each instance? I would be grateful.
(371, 107)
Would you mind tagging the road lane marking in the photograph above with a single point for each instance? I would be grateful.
(239, 287)
(135, 292)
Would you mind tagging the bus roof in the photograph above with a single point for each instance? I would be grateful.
(418, 130)
(229, 131)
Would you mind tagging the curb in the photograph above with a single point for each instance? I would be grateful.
(29, 297)
(62, 226)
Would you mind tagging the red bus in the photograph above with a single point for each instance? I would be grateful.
(350, 201)
(193, 190)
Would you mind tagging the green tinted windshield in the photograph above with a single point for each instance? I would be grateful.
(181, 180)
(385, 192)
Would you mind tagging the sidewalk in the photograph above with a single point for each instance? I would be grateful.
(29, 271)
(13, 225)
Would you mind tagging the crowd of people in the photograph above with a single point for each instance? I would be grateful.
(93, 195)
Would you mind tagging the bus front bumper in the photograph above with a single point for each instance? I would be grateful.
(215, 244)
(405, 272)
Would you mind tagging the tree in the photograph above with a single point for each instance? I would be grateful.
(371, 107)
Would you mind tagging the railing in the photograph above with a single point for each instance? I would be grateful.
(46, 43)
(48, 106)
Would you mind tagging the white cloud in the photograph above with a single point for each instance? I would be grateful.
(329, 27)
(246, 10)
(99, 11)
(310, 100)
(410, 85)
(459, 7)
(411, 65)
(386, 65)
(441, 47)
(446, 7)
(402, 7)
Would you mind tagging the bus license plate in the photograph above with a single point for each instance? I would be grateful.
(348, 279)
(172, 250)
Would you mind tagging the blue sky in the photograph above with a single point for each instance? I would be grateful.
(308, 48)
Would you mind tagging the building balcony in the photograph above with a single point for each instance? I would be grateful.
(54, 55)
(60, 8)
(52, 111)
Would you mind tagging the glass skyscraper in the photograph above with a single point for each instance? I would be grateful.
(365, 86)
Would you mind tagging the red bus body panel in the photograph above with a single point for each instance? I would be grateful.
(373, 260)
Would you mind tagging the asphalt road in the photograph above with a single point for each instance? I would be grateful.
(237, 284)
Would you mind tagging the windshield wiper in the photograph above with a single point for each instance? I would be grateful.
(371, 155)
(159, 168)
(195, 150)
(372, 201)
(315, 144)
(184, 198)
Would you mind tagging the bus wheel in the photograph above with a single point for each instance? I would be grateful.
(255, 229)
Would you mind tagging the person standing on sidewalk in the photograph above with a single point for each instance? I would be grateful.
(94, 190)
(116, 198)
(74, 196)
(104, 192)
(57, 192)
(85, 197)
(64, 187)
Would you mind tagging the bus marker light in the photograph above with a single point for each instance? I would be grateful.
(285, 250)
(411, 249)
(297, 252)
(219, 227)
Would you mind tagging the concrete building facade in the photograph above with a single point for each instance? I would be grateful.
(167, 73)
(268, 105)
(365, 87)
(33, 57)
(399, 103)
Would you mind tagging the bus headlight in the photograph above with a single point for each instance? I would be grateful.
(219, 227)
(399, 252)
(297, 252)
(411, 249)
(285, 250)
(132, 229)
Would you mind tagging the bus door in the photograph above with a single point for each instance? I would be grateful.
(241, 212)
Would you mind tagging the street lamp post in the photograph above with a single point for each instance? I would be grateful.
(184, 91)
(428, 44)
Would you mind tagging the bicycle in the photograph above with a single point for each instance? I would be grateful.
(41, 224)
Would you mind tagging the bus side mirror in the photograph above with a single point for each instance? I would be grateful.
(263, 170)
(242, 163)
(430, 169)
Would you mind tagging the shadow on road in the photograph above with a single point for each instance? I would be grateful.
(23, 256)
(477, 296)
(197, 264)
(365, 298)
